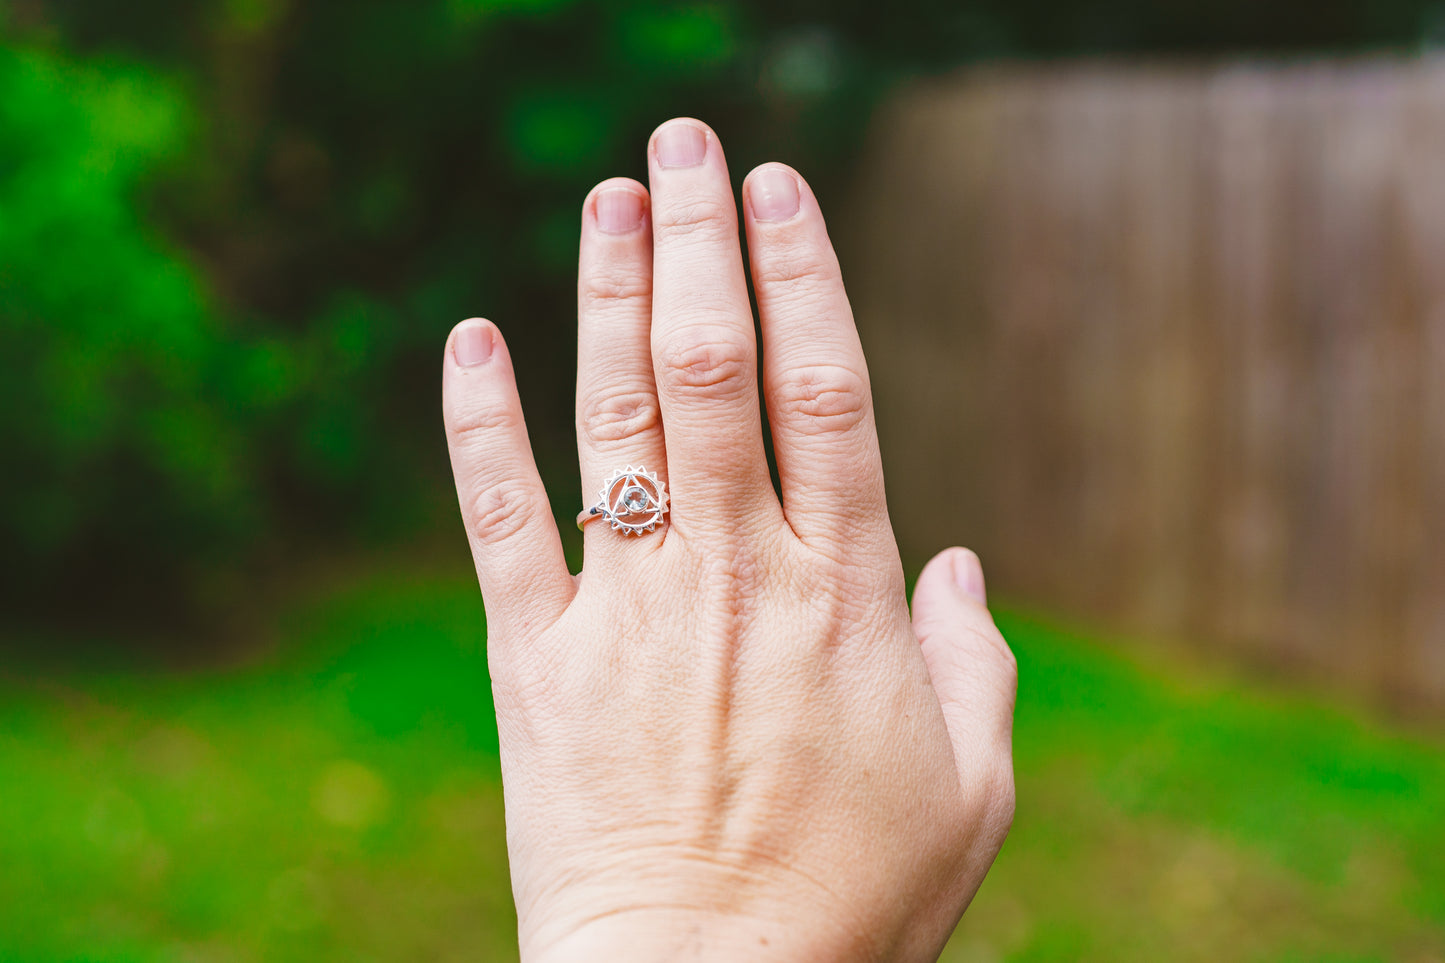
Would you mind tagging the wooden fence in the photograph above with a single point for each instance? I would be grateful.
(1167, 346)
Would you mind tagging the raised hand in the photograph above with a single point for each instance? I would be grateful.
(726, 738)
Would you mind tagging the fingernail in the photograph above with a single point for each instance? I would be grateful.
(473, 344)
(774, 195)
(681, 145)
(619, 211)
(968, 574)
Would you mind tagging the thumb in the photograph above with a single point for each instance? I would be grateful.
(971, 666)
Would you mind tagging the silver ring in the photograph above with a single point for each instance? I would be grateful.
(633, 500)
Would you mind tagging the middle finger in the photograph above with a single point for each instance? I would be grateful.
(703, 349)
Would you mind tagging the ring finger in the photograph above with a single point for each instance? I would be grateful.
(619, 423)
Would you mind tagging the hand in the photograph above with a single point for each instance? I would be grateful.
(725, 739)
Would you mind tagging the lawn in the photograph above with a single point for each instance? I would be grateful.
(335, 797)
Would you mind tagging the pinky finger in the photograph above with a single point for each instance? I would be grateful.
(523, 574)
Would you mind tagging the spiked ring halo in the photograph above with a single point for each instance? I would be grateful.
(633, 500)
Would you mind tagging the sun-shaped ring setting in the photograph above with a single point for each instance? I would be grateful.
(633, 500)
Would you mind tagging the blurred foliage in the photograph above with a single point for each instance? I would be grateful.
(142, 422)
(234, 233)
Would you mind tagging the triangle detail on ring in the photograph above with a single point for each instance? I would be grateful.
(628, 484)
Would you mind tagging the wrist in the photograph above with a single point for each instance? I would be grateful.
(643, 936)
(658, 935)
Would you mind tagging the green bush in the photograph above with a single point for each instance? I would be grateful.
(121, 391)
(145, 426)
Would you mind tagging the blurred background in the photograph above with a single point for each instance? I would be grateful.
(1154, 301)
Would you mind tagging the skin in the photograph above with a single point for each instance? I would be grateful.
(728, 738)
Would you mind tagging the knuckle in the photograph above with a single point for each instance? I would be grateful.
(829, 577)
(840, 583)
(470, 419)
(820, 399)
(712, 367)
(805, 270)
(832, 572)
(495, 512)
(617, 415)
(695, 216)
(606, 288)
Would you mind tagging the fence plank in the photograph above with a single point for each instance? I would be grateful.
(1167, 345)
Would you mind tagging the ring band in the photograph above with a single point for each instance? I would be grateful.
(633, 500)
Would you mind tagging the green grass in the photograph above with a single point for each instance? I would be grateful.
(337, 799)
(1166, 814)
